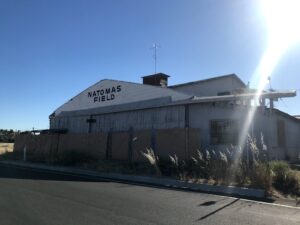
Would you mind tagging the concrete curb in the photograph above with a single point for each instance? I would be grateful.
(162, 182)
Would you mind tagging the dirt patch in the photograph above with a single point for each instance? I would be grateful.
(6, 147)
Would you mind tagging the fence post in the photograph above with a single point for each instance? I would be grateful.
(24, 153)
(130, 152)
(109, 145)
(153, 140)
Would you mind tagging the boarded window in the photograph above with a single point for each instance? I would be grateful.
(280, 133)
(223, 132)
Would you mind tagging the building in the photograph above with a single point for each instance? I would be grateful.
(218, 108)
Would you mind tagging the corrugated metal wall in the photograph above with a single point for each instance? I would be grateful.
(199, 116)
(157, 118)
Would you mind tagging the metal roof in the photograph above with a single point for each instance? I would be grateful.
(157, 75)
(210, 79)
(166, 101)
(146, 104)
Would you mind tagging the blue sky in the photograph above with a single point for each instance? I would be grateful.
(52, 50)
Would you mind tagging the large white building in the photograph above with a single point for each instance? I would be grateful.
(218, 107)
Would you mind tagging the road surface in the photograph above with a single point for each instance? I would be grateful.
(36, 197)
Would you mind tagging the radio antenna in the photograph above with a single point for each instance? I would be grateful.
(155, 46)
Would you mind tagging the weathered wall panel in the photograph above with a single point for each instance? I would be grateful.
(20, 142)
(262, 123)
(194, 142)
(39, 146)
(170, 142)
(141, 141)
(94, 144)
(120, 142)
(157, 118)
(165, 142)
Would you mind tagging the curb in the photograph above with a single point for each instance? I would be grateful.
(144, 180)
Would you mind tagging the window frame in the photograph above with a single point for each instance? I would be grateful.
(224, 131)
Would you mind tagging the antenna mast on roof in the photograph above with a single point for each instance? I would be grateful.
(155, 46)
(269, 79)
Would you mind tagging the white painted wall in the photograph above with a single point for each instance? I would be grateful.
(124, 92)
(200, 116)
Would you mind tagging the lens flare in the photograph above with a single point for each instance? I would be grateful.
(282, 18)
(283, 24)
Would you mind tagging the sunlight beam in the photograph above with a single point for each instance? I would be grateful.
(283, 22)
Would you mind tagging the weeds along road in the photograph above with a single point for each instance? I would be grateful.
(36, 197)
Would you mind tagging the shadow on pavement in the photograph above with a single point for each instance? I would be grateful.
(219, 209)
(208, 203)
(31, 174)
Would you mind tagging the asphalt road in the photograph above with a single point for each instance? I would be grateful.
(36, 197)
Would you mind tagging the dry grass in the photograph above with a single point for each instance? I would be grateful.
(6, 147)
(153, 160)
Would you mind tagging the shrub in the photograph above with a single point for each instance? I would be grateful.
(202, 164)
(255, 167)
(240, 172)
(280, 171)
(219, 167)
(261, 176)
(285, 179)
(153, 160)
(180, 168)
(292, 183)
(232, 166)
(167, 168)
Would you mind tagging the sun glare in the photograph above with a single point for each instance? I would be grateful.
(283, 23)
(282, 18)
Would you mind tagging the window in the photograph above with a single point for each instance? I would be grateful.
(223, 132)
(280, 133)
